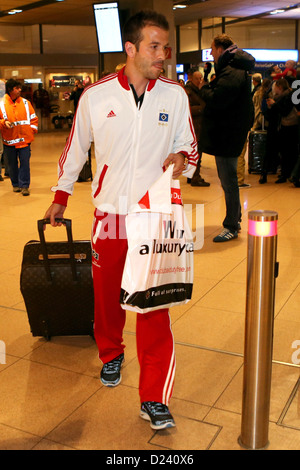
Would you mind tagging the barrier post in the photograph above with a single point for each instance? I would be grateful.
(262, 269)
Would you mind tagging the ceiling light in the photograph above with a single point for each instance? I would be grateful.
(276, 12)
(14, 12)
(179, 6)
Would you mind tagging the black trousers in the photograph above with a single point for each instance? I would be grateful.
(288, 147)
(227, 172)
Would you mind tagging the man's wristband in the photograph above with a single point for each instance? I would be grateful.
(61, 197)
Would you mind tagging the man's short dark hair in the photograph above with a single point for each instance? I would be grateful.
(11, 84)
(224, 41)
(135, 24)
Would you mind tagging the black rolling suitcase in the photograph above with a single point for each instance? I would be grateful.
(86, 172)
(256, 150)
(56, 284)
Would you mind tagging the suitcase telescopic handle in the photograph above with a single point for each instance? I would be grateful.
(68, 225)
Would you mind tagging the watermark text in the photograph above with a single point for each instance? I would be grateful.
(2, 352)
(296, 94)
(107, 225)
(296, 354)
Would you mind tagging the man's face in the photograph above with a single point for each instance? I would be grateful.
(197, 79)
(15, 93)
(149, 59)
(216, 52)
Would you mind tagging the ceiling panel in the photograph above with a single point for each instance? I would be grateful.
(67, 12)
(234, 8)
(79, 12)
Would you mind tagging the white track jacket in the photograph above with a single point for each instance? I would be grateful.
(130, 143)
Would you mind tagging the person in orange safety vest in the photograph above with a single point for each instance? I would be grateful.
(18, 124)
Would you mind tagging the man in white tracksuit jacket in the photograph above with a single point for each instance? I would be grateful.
(139, 122)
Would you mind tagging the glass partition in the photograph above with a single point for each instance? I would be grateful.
(19, 39)
(69, 39)
(252, 34)
(263, 34)
(189, 37)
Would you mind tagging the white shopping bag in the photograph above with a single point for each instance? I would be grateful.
(158, 271)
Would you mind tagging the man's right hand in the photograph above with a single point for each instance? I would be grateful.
(55, 211)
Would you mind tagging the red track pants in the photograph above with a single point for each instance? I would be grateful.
(155, 344)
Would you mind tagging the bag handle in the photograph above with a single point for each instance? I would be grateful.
(68, 225)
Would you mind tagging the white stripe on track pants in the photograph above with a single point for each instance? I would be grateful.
(154, 338)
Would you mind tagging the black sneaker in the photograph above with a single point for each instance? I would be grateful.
(111, 372)
(158, 415)
(225, 236)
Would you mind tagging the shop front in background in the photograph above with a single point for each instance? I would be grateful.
(49, 91)
(60, 87)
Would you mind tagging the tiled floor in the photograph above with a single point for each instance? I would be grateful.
(51, 397)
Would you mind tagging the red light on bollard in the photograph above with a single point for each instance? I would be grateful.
(262, 229)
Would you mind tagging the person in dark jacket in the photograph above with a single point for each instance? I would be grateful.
(76, 93)
(226, 122)
(282, 107)
(197, 106)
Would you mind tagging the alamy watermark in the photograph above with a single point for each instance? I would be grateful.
(109, 228)
(296, 94)
(2, 352)
(296, 354)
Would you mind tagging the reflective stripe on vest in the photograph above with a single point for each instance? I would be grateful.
(2, 107)
(12, 142)
(20, 123)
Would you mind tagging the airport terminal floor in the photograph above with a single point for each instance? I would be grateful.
(51, 396)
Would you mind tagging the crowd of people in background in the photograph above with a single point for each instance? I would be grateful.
(274, 113)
